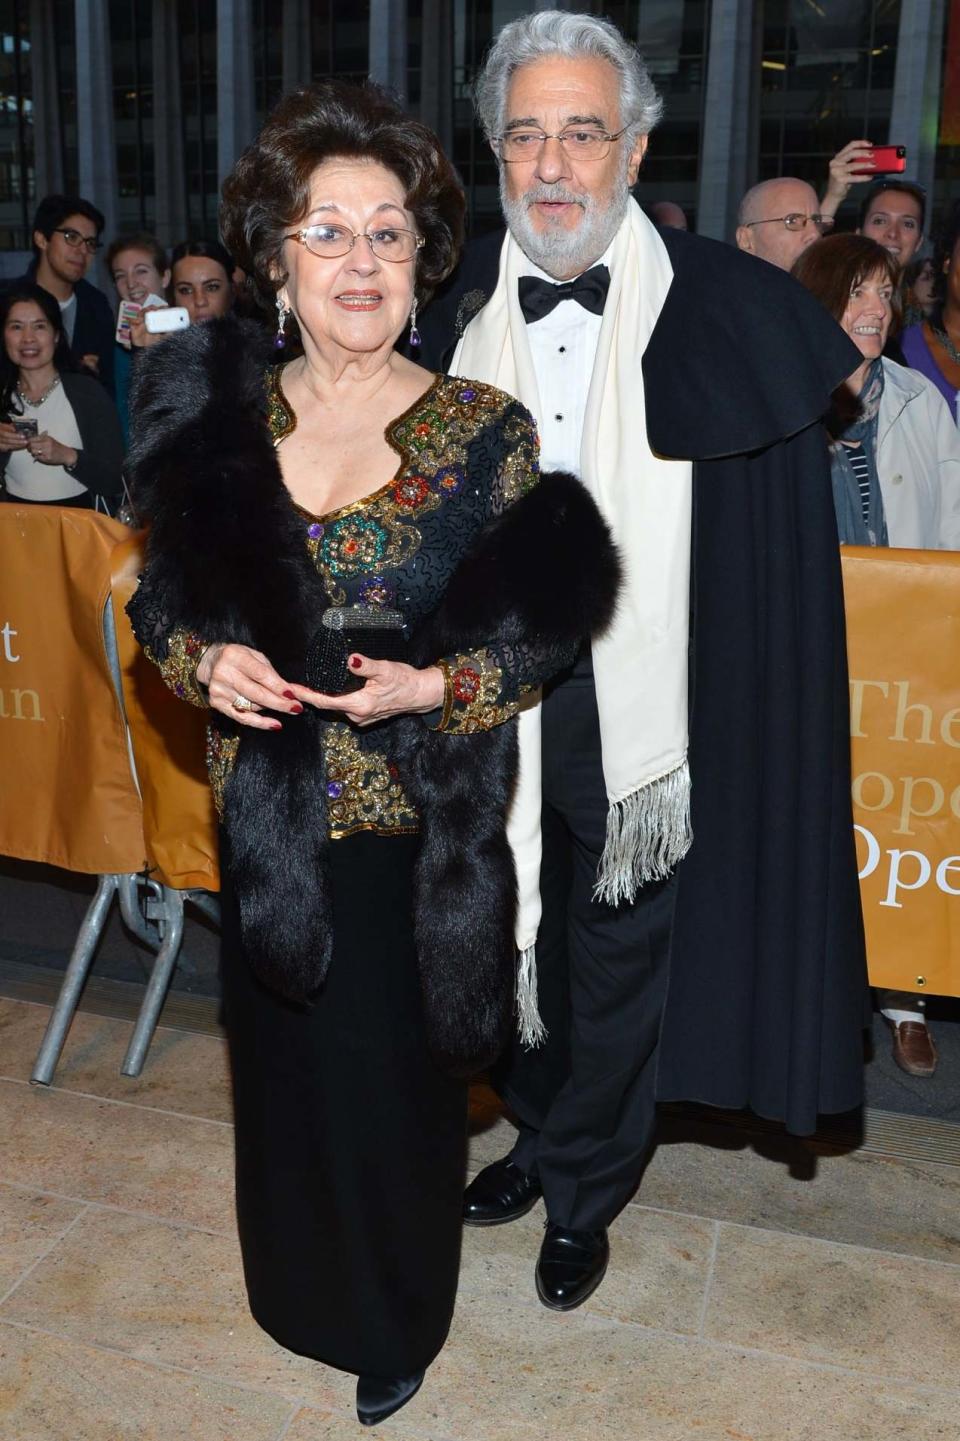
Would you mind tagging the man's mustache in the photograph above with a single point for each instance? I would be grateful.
(554, 193)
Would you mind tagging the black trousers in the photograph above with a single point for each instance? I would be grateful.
(585, 1099)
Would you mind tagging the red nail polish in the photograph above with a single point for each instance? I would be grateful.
(296, 709)
(289, 695)
(276, 726)
(355, 662)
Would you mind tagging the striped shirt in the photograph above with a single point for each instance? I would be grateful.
(861, 469)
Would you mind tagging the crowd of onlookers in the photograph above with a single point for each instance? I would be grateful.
(68, 353)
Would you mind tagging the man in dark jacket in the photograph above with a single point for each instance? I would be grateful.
(66, 237)
(684, 383)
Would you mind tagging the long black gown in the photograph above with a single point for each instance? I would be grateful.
(350, 1139)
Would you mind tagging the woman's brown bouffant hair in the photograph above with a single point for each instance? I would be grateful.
(268, 191)
(837, 264)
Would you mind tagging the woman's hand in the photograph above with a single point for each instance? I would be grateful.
(391, 688)
(845, 166)
(10, 439)
(140, 336)
(48, 451)
(229, 671)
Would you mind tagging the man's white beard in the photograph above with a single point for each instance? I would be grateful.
(565, 253)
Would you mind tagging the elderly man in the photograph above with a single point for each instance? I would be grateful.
(684, 384)
(778, 219)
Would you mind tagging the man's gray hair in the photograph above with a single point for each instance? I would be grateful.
(557, 32)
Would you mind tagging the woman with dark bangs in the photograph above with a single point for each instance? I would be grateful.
(369, 892)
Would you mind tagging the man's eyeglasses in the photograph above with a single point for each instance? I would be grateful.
(74, 239)
(584, 143)
(796, 221)
(332, 241)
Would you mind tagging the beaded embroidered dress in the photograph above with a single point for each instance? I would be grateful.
(350, 1141)
(466, 451)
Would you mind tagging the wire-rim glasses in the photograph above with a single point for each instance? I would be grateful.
(796, 220)
(583, 142)
(330, 242)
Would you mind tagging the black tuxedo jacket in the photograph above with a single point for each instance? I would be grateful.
(768, 990)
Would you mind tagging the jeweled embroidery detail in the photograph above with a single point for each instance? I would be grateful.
(179, 667)
(474, 684)
(353, 544)
(411, 491)
(221, 758)
(363, 787)
(466, 684)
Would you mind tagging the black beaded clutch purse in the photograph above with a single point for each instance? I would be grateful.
(343, 631)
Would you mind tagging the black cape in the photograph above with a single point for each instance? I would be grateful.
(768, 987)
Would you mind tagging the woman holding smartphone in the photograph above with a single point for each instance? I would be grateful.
(60, 440)
(138, 265)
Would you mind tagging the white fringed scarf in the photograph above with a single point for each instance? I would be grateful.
(640, 663)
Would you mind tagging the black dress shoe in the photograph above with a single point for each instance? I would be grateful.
(571, 1266)
(501, 1192)
(377, 1399)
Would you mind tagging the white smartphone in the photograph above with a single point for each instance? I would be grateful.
(161, 322)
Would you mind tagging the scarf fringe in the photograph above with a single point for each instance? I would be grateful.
(529, 1022)
(648, 833)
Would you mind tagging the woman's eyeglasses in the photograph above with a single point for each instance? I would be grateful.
(332, 241)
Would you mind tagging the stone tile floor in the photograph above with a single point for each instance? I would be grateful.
(757, 1291)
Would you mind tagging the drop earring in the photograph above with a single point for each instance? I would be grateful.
(283, 310)
(415, 341)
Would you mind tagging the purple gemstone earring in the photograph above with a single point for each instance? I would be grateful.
(415, 341)
(283, 310)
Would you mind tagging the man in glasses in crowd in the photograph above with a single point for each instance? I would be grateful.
(682, 824)
(778, 219)
(66, 237)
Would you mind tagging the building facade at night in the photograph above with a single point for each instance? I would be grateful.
(142, 105)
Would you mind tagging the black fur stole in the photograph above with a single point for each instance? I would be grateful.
(226, 554)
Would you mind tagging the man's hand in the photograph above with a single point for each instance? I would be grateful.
(390, 688)
(91, 362)
(844, 167)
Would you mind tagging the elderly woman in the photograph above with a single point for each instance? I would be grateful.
(895, 457)
(368, 891)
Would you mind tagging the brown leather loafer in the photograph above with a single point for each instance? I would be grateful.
(913, 1048)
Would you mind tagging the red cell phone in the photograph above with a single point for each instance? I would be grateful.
(887, 160)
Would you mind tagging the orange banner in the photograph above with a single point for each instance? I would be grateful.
(67, 795)
(903, 638)
(169, 738)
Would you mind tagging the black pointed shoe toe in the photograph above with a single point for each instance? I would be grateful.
(571, 1266)
(501, 1192)
(378, 1398)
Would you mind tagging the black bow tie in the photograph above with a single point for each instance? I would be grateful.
(539, 297)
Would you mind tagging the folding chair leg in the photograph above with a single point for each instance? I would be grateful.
(157, 985)
(81, 959)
